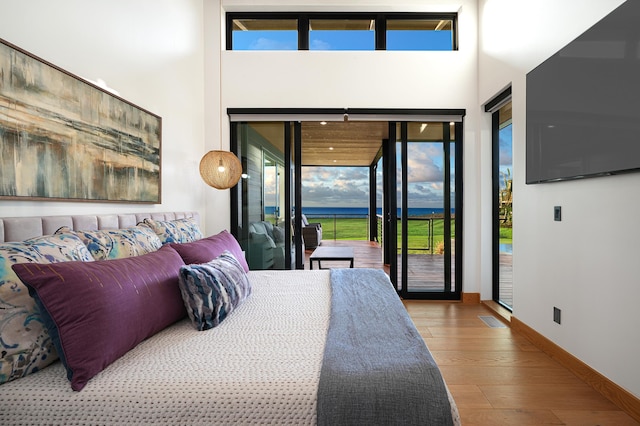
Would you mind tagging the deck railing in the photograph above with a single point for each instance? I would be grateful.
(356, 227)
(342, 226)
(420, 232)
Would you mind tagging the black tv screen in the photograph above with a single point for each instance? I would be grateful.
(583, 103)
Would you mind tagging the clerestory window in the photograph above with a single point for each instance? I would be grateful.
(341, 31)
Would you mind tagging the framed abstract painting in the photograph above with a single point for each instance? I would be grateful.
(64, 138)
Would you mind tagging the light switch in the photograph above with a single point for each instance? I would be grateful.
(557, 213)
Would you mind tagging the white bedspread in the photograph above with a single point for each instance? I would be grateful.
(260, 366)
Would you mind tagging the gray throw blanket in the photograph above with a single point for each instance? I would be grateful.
(376, 368)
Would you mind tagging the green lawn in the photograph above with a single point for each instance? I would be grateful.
(506, 235)
(357, 229)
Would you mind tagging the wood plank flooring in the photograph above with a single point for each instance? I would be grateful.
(496, 376)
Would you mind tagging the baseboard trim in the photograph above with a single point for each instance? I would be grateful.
(471, 298)
(620, 397)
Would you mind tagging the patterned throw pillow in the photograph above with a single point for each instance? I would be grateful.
(25, 345)
(211, 291)
(97, 311)
(175, 231)
(118, 243)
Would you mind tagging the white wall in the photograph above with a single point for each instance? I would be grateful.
(151, 52)
(587, 265)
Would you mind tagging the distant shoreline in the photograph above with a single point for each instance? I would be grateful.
(361, 211)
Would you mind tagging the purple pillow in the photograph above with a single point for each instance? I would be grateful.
(207, 249)
(96, 312)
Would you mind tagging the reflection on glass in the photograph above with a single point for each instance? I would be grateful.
(263, 194)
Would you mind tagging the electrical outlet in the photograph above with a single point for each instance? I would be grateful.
(557, 213)
(556, 315)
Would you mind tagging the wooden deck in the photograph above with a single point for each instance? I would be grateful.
(425, 270)
(367, 254)
(506, 279)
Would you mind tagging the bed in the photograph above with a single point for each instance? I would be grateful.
(327, 347)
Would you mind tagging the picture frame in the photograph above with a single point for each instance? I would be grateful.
(63, 138)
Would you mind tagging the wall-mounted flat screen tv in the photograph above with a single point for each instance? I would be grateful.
(583, 103)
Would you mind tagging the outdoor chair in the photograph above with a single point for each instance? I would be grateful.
(311, 233)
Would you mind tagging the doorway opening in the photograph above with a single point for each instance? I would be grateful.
(502, 178)
(396, 187)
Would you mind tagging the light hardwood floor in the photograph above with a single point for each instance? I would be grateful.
(498, 378)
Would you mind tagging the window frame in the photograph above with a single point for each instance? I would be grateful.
(380, 19)
(493, 107)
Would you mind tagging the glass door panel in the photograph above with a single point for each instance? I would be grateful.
(400, 229)
(262, 234)
(503, 269)
(426, 210)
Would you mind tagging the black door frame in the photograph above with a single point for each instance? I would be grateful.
(447, 293)
(390, 229)
(493, 107)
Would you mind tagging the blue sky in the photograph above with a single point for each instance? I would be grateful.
(341, 40)
(505, 137)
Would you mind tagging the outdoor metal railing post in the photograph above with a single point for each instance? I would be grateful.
(430, 222)
(334, 217)
(335, 228)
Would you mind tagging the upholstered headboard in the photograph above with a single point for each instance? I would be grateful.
(22, 228)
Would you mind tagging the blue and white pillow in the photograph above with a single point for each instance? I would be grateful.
(25, 344)
(175, 231)
(118, 243)
(212, 290)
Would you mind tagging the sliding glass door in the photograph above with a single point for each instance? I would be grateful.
(263, 213)
(427, 251)
(503, 206)
(421, 213)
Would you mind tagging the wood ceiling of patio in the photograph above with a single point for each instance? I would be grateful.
(354, 143)
(344, 143)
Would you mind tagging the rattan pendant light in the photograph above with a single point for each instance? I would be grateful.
(220, 169)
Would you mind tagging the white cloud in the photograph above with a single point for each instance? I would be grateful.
(425, 163)
(263, 43)
(335, 186)
(319, 45)
(349, 186)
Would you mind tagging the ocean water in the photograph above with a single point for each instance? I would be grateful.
(354, 212)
